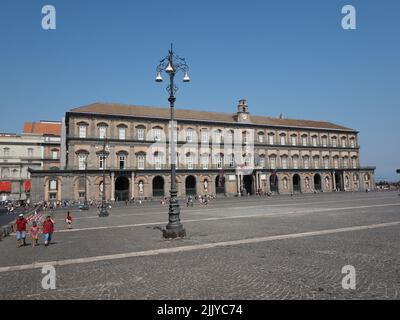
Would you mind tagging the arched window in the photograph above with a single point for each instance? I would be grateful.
(102, 128)
(140, 132)
(140, 160)
(345, 162)
(219, 160)
(293, 139)
(316, 162)
(306, 162)
(122, 131)
(260, 136)
(282, 138)
(284, 162)
(334, 141)
(82, 129)
(204, 135)
(326, 162)
(343, 142)
(204, 160)
(189, 135)
(336, 162)
(324, 141)
(272, 162)
(314, 140)
(304, 140)
(190, 160)
(295, 160)
(271, 138)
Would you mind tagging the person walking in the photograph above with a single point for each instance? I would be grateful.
(21, 230)
(48, 229)
(68, 220)
(34, 231)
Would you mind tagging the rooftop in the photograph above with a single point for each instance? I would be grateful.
(186, 114)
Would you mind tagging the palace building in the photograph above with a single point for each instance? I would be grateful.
(129, 144)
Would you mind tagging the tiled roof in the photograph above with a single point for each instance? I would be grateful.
(186, 114)
(44, 128)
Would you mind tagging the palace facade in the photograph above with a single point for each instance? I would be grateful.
(129, 144)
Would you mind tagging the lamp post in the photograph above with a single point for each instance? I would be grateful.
(103, 208)
(85, 203)
(172, 64)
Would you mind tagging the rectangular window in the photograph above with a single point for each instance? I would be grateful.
(260, 138)
(102, 132)
(283, 140)
(306, 163)
(344, 142)
(294, 140)
(314, 141)
(122, 133)
(53, 185)
(189, 135)
(345, 162)
(54, 155)
(336, 163)
(304, 140)
(295, 163)
(157, 134)
(204, 136)
(82, 162)
(140, 133)
(354, 161)
(157, 160)
(82, 131)
(334, 142)
(261, 162)
(271, 139)
(324, 141)
(30, 153)
(189, 161)
(231, 160)
(326, 163)
(122, 161)
(141, 161)
(81, 194)
(217, 137)
(102, 162)
(205, 162)
(273, 162)
(218, 161)
(316, 162)
(284, 162)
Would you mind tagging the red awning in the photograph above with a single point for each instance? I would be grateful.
(27, 185)
(5, 186)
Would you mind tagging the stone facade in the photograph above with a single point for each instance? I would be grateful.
(277, 155)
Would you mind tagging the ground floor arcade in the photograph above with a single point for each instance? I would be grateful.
(125, 185)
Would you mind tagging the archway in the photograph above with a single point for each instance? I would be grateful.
(339, 181)
(317, 182)
(158, 186)
(248, 184)
(122, 188)
(273, 183)
(190, 186)
(296, 183)
(220, 184)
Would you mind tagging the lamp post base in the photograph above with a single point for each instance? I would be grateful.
(103, 212)
(174, 232)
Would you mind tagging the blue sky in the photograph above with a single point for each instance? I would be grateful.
(289, 57)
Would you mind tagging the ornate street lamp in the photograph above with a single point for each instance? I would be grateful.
(85, 203)
(172, 64)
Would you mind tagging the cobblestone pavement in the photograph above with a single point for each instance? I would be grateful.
(248, 248)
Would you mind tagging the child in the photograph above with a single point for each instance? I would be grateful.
(68, 220)
(34, 231)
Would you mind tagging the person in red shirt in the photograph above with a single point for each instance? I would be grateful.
(48, 229)
(68, 220)
(21, 230)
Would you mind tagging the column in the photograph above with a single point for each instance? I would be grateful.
(333, 181)
(112, 186)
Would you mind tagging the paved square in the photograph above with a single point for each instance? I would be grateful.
(236, 248)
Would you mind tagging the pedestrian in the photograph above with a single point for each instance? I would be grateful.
(48, 229)
(34, 231)
(68, 220)
(21, 230)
